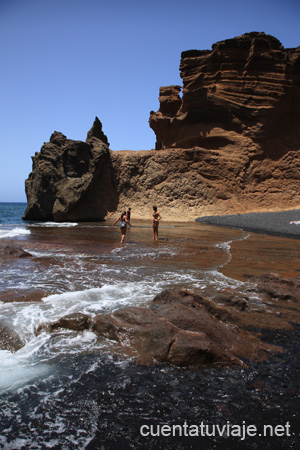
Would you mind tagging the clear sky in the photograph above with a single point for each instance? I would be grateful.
(63, 62)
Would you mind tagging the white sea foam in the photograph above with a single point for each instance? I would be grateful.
(16, 371)
(106, 298)
(54, 224)
(14, 232)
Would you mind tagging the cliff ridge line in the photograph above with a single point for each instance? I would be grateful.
(227, 142)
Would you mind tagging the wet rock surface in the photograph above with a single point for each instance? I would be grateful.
(12, 251)
(75, 322)
(179, 327)
(9, 339)
(187, 330)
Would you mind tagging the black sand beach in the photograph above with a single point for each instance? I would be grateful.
(274, 223)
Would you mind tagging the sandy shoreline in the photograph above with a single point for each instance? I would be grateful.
(274, 223)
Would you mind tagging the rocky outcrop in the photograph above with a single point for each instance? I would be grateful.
(186, 329)
(179, 327)
(72, 180)
(230, 144)
(12, 251)
(244, 92)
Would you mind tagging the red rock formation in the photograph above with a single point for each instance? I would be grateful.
(245, 92)
(229, 145)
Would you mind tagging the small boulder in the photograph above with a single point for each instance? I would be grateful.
(9, 339)
(75, 322)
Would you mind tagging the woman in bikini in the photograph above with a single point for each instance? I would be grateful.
(156, 217)
(123, 225)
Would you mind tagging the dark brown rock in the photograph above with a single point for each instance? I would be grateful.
(18, 295)
(179, 329)
(97, 133)
(12, 251)
(72, 180)
(266, 301)
(75, 322)
(276, 287)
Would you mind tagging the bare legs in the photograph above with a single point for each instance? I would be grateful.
(155, 231)
(123, 233)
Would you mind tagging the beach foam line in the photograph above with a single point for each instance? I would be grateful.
(54, 224)
(14, 232)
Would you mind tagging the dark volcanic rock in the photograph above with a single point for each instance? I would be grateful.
(72, 180)
(178, 328)
(96, 132)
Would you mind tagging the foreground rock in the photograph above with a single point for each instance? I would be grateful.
(12, 251)
(22, 295)
(9, 339)
(229, 145)
(266, 301)
(75, 322)
(179, 327)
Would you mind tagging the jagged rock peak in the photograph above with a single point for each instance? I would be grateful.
(58, 138)
(268, 42)
(96, 132)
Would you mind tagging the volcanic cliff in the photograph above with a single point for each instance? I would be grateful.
(229, 144)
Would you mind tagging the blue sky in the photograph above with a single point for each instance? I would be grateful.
(63, 62)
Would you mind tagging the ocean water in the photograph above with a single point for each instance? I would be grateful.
(50, 388)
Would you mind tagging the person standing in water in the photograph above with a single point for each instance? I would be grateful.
(156, 217)
(123, 225)
(128, 214)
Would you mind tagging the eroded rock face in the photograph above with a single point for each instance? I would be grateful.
(230, 144)
(72, 180)
(244, 92)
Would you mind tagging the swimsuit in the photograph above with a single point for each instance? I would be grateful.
(155, 216)
(122, 222)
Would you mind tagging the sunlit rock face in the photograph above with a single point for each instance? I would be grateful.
(242, 94)
(227, 142)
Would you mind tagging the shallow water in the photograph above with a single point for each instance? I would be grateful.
(83, 268)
